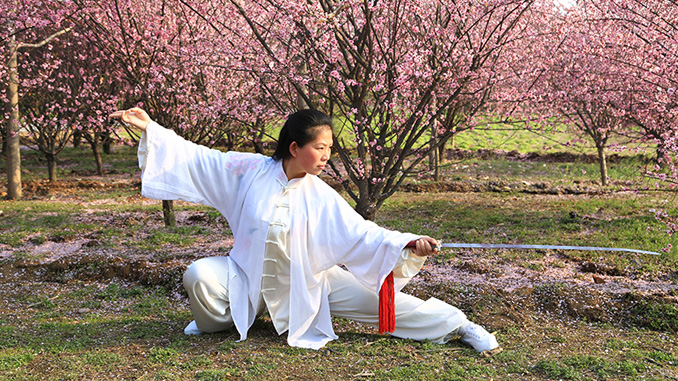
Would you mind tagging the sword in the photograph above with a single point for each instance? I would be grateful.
(387, 291)
(412, 245)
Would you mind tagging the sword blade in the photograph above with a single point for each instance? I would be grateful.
(552, 247)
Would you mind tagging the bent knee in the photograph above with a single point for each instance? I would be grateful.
(206, 270)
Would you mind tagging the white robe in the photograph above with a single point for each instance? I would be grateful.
(245, 188)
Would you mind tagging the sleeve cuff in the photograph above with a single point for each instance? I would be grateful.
(408, 264)
(142, 151)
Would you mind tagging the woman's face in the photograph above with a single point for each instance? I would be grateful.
(312, 157)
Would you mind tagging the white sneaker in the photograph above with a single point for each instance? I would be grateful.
(192, 329)
(477, 337)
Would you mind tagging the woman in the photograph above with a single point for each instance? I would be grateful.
(292, 232)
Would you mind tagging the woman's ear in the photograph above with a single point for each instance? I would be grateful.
(294, 147)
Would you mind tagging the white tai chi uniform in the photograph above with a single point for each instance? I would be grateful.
(290, 237)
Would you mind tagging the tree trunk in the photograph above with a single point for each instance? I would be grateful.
(259, 136)
(434, 157)
(77, 138)
(366, 208)
(51, 168)
(12, 134)
(435, 163)
(602, 160)
(230, 146)
(97, 157)
(661, 154)
(168, 213)
(441, 148)
(106, 143)
(301, 103)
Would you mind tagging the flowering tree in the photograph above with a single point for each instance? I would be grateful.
(66, 89)
(173, 65)
(637, 44)
(651, 37)
(390, 72)
(574, 78)
(171, 59)
(24, 25)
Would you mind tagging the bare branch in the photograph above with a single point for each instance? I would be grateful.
(46, 40)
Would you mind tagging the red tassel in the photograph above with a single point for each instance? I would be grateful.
(387, 301)
(387, 306)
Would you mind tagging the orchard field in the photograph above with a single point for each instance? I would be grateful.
(493, 121)
(91, 279)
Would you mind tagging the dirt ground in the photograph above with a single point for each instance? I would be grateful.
(557, 284)
(552, 290)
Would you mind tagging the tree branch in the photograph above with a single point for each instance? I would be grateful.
(46, 40)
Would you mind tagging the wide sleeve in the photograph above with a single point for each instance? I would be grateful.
(339, 235)
(375, 251)
(176, 169)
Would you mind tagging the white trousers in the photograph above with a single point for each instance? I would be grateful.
(205, 281)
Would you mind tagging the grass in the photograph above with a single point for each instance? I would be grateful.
(109, 315)
(613, 220)
(515, 138)
(660, 316)
(138, 331)
(628, 171)
(122, 340)
(70, 163)
(575, 367)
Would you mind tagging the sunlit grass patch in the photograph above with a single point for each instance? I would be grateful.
(217, 374)
(609, 221)
(576, 367)
(162, 355)
(80, 162)
(103, 360)
(14, 239)
(196, 363)
(12, 359)
(157, 238)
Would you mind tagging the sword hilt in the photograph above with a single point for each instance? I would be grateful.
(413, 244)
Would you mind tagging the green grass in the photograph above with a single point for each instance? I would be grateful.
(615, 221)
(576, 367)
(72, 323)
(78, 162)
(114, 292)
(660, 316)
(121, 339)
(511, 139)
(15, 359)
(162, 355)
(515, 138)
(216, 375)
(628, 170)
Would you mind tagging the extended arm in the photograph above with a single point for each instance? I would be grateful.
(176, 169)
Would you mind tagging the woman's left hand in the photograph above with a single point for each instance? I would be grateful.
(134, 116)
(425, 246)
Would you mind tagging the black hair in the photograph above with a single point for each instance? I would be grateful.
(300, 127)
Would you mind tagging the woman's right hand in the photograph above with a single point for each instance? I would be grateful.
(134, 116)
(424, 246)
